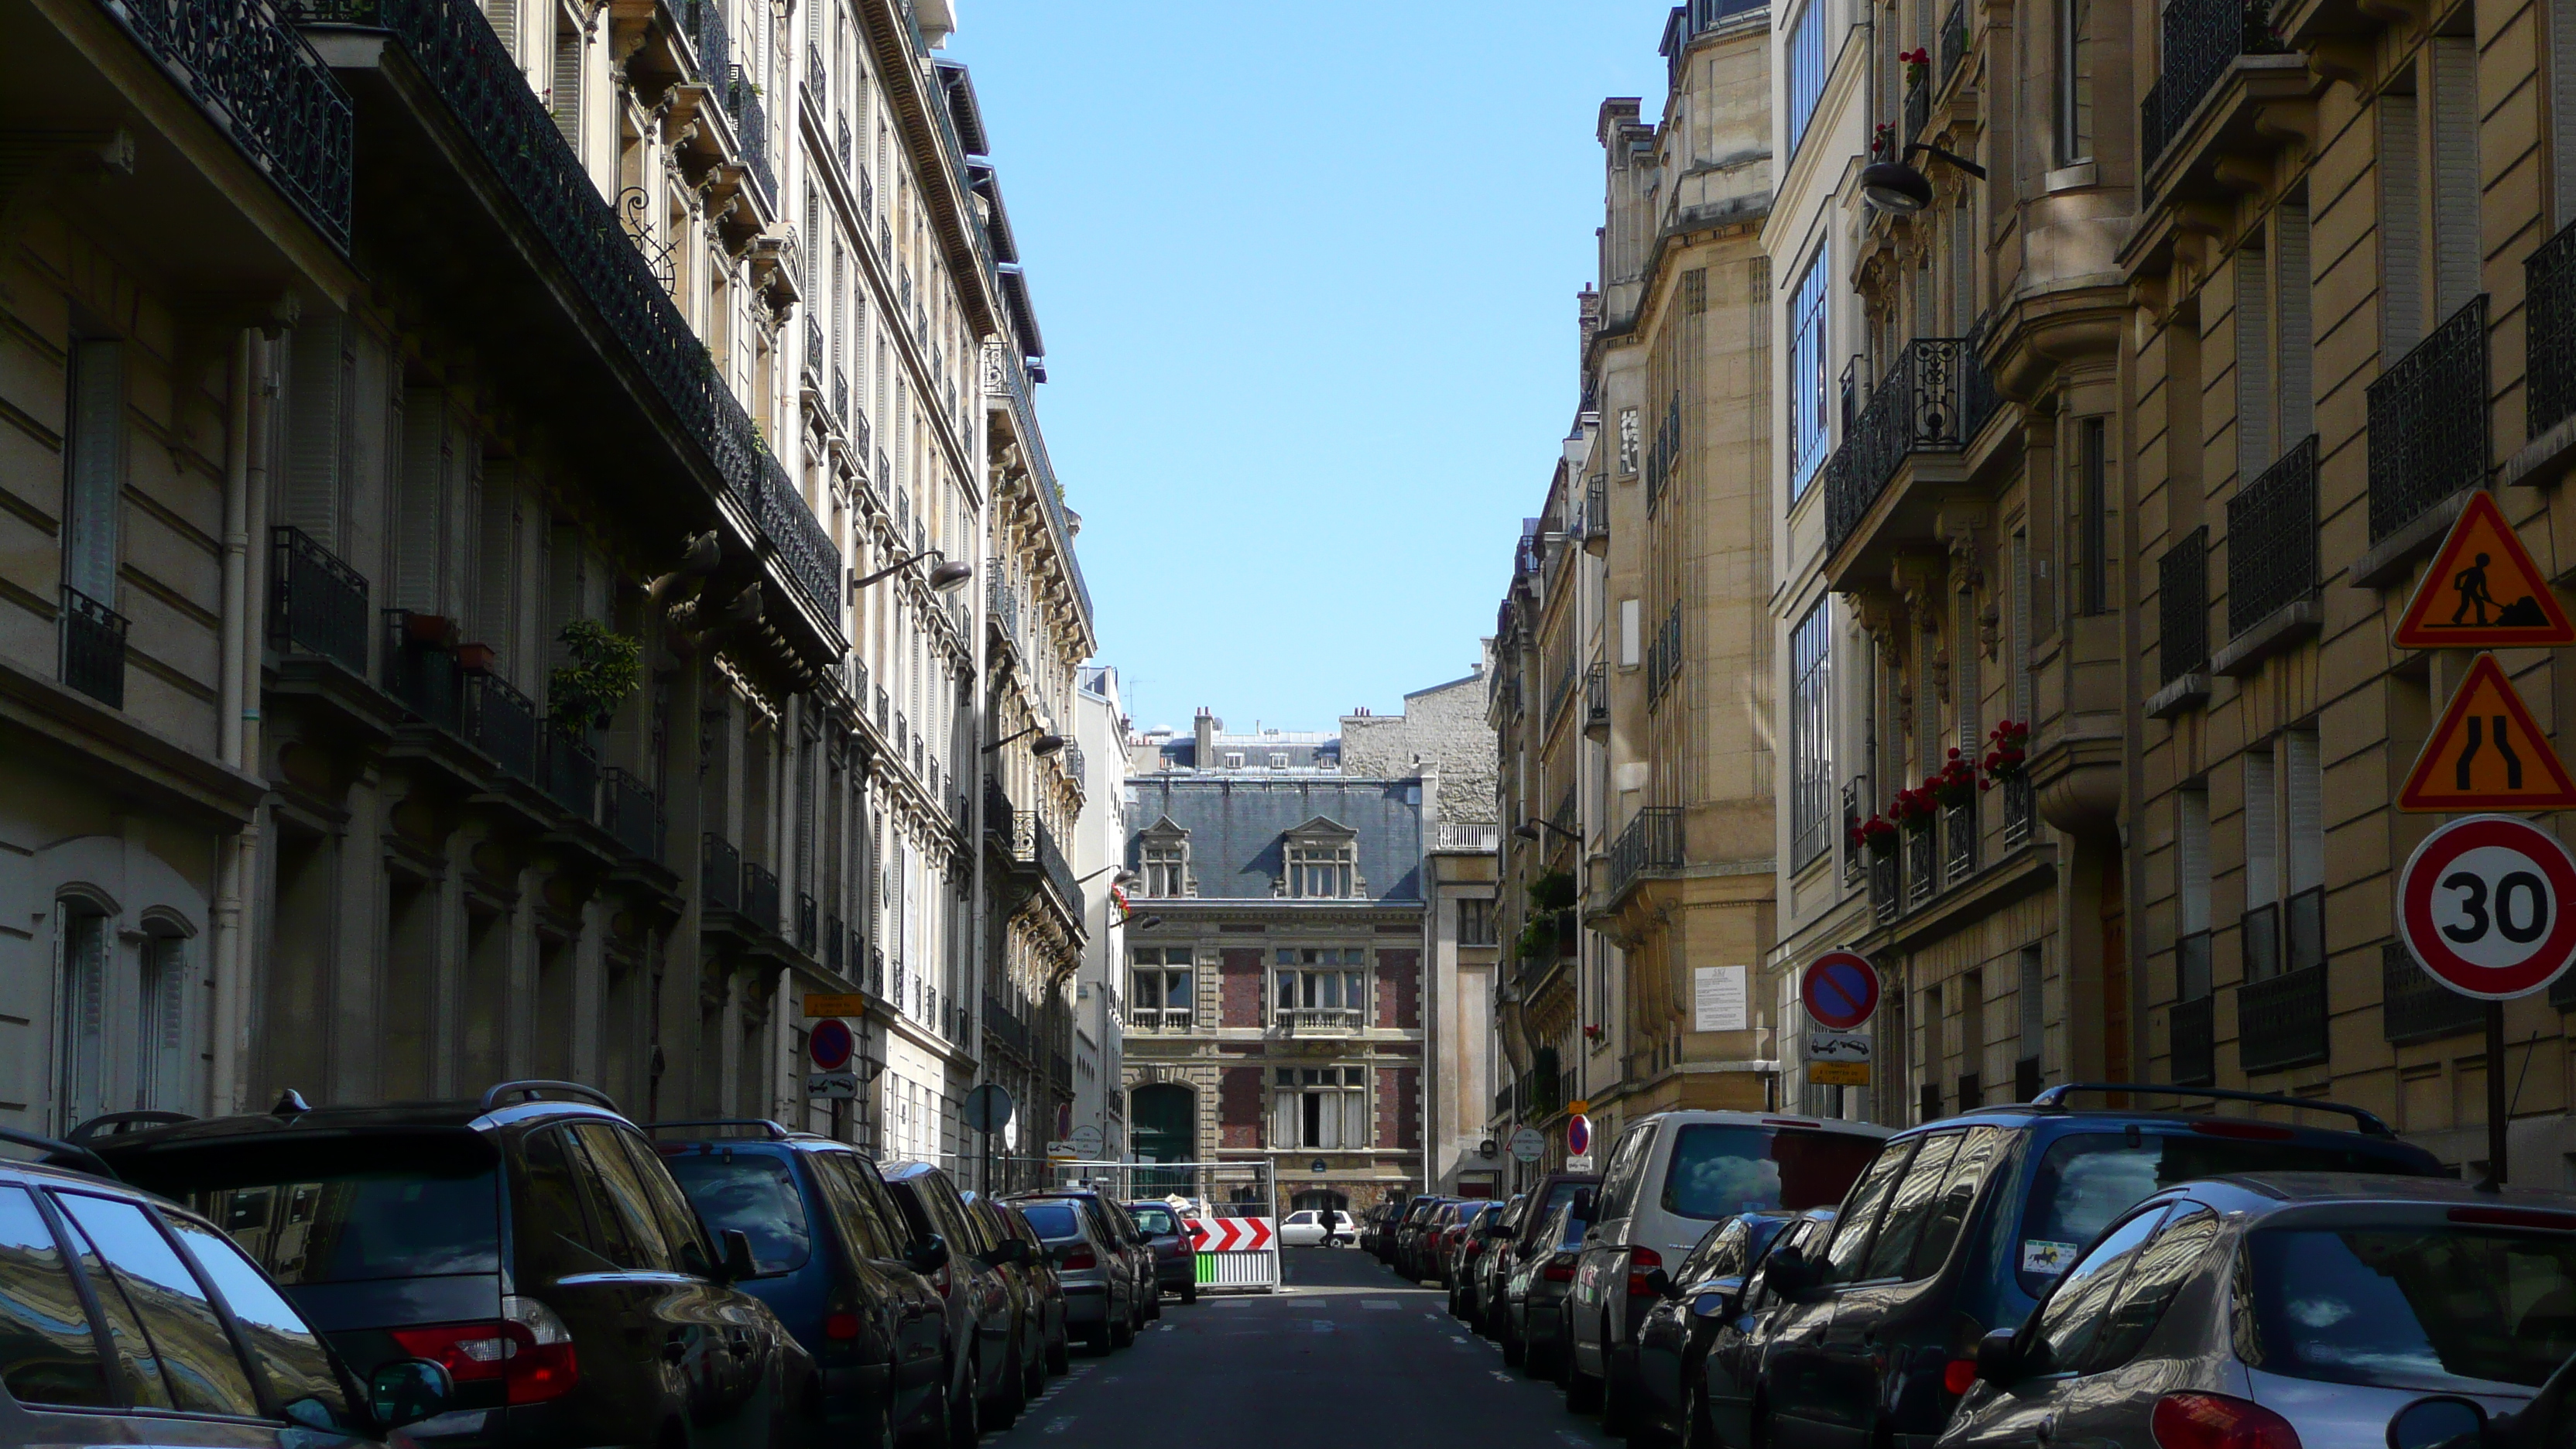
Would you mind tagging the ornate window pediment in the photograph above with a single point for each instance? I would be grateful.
(1163, 861)
(1322, 862)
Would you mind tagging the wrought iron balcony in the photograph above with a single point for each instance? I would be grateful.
(1954, 43)
(812, 561)
(719, 873)
(2549, 332)
(630, 813)
(2021, 811)
(1932, 400)
(815, 87)
(261, 83)
(751, 128)
(834, 943)
(2272, 539)
(840, 397)
(1311, 1021)
(93, 648)
(1652, 842)
(760, 895)
(2182, 607)
(705, 20)
(572, 771)
(1922, 864)
(501, 722)
(806, 924)
(1918, 105)
(1852, 852)
(1596, 515)
(1596, 697)
(814, 350)
(1886, 898)
(317, 604)
(2415, 1007)
(420, 669)
(876, 969)
(2281, 1021)
(2202, 38)
(1959, 841)
(2428, 422)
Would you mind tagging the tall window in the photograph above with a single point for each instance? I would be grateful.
(2092, 518)
(94, 470)
(1166, 865)
(1475, 922)
(80, 1011)
(1627, 440)
(1161, 999)
(2457, 246)
(1321, 869)
(1811, 745)
(1809, 433)
(1320, 1107)
(2261, 935)
(1806, 72)
(2074, 81)
(1327, 979)
(2191, 893)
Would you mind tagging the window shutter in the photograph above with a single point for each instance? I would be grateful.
(94, 470)
(2401, 226)
(2457, 247)
(317, 408)
(421, 502)
(463, 526)
(567, 87)
(563, 590)
(2562, 110)
(2254, 446)
(2296, 328)
(2191, 836)
(1355, 1123)
(504, 15)
(496, 602)
(2262, 831)
(2305, 789)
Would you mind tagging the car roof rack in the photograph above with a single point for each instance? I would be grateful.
(533, 1089)
(117, 1124)
(772, 1130)
(62, 1154)
(2054, 1100)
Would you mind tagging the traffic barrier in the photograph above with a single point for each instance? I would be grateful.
(1233, 1212)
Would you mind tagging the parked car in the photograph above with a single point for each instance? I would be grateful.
(1313, 1227)
(835, 1259)
(1176, 1253)
(1056, 1314)
(1730, 1338)
(1467, 1298)
(1037, 1295)
(528, 1242)
(1456, 1246)
(2291, 1308)
(1420, 1243)
(1534, 1296)
(974, 1296)
(73, 1242)
(1690, 1302)
(2039, 1181)
(1670, 1176)
(1140, 1260)
(1099, 1291)
(1553, 1191)
(1407, 1234)
(1377, 1226)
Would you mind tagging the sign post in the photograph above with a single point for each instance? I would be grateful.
(1840, 991)
(988, 1110)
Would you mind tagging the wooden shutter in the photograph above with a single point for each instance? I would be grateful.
(2262, 831)
(319, 374)
(2401, 225)
(504, 15)
(462, 525)
(567, 87)
(420, 507)
(94, 469)
(2294, 327)
(2191, 869)
(2457, 247)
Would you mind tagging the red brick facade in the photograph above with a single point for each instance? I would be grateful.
(1239, 986)
(1399, 989)
(1238, 1105)
(1399, 1107)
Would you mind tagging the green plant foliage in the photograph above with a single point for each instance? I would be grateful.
(607, 667)
(1553, 891)
(1537, 940)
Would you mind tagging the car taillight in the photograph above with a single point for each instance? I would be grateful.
(1082, 1258)
(840, 1325)
(530, 1353)
(1558, 1272)
(2215, 1421)
(1958, 1375)
(1639, 1260)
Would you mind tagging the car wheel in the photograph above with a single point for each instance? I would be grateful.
(1122, 1332)
(932, 1432)
(1059, 1353)
(1618, 1396)
(1515, 1350)
(966, 1420)
(1033, 1378)
(1582, 1390)
(1155, 1301)
(1190, 1291)
(1005, 1410)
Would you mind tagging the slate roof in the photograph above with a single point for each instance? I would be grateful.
(1238, 827)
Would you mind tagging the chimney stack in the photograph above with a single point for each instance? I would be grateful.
(1207, 724)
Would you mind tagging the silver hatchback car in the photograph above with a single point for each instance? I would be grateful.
(2289, 1311)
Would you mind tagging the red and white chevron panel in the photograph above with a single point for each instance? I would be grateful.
(1236, 1235)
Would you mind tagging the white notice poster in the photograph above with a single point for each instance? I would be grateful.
(1717, 998)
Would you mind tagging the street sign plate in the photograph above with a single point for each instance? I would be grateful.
(835, 1003)
(1086, 1139)
(1528, 1145)
(1838, 1074)
(1837, 1046)
(2483, 591)
(2484, 907)
(988, 1107)
(830, 1043)
(1840, 989)
(832, 1086)
(1578, 1162)
(1578, 1135)
(2487, 753)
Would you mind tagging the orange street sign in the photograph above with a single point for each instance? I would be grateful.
(2487, 754)
(2483, 591)
(851, 1003)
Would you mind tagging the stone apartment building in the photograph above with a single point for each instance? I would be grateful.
(1286, 975)
(1633, 669)
(454, 627)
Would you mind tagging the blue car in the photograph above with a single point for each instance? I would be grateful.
(1868, 1335)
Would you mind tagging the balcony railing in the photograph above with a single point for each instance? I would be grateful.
(1158, 1018)
(806, 925)
(262, 83)
(1322, 1020)
(1651, 842)
(2021, 811)
(93, 648)
(2202, 38)
(1596, 509)
(317, 604)
(1885, 900)
(1596, 695)
(1005, 1026)
(840, 397)
(814, 78)
(630, 813)
(2415, 1007)
(419, 673)
(812, 561)
(572, 771)
(2193, 1060)
(2428, 422)
(501, 722)
(751, 128)
(1560, 693)
(2549, 332)
(2182, 607)
(876, 970)
(760, 895)
(1959, 841)
(1918, 105)
(2272, 539)
(1954, 42)
(1664, 656)
(835, 945)
(1922, 865)
(1933, 400)
(719, 873)
(1852, 852)
(2281, 1022)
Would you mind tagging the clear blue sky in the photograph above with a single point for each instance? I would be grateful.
(1307, 276)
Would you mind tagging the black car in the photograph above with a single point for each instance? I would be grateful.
(1099, 1288)
(1507, 1315)
(1692, 1302)
(1958, 1228)
(975, 1296)
(835, 1260)
(1176, 1254)
(1128, 1256)
(1037, 1295)
(530, 1243)
(90, 1270)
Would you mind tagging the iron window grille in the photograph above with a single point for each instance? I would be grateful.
(2428, 422)
(93, 648)
(572, 770)
(501, 722)
(2272, 539)
(2549, 332)
(2202, 38)
(2281, 1022)
(1933, 399)
(2182, 607)
(317, 604)
(2415, 1007)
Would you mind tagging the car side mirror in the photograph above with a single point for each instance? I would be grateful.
(1718, 1303)
(407, 1391)
(1790, 1274)
(929, 1255)
(1999, 1357)
(1660, 1283)
(738, 1263)
(2444, 1421)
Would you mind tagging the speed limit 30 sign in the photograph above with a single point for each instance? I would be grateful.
(2484, 906)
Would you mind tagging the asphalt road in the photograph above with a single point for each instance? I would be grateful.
(1344, 1354)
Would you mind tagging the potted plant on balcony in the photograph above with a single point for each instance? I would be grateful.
(1954, 784)
(1918, 64)
(1537, 940)
(606, 667)
(1877, 835)
(1913, 810)
(1552, 892)
(1882, 140)
(2006, 745)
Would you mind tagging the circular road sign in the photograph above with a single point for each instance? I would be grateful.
(1840, 989)
(1528, 1145)
(2484, 907)
(988, 1107)
(830, 1044)
(1578, 1134)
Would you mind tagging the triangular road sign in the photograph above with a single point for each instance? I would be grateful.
(2487, 754)
(2483, 591)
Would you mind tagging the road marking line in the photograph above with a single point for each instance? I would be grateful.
(1379, 1303)
(1577, 1440)
(1498, 1373)
(1057, 1425)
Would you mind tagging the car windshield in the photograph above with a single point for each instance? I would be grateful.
(1154, 1218)
(1051, 1219)
(2445, 1309)
(1557, 1196)
(750, 1191)
(1719, 1170)
(347, 1211)
(2087, 1179)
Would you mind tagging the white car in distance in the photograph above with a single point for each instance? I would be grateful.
(1305, 1228)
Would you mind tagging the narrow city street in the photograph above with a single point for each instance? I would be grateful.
(1344, 1352)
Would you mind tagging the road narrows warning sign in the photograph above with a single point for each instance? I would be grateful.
(2487, 753)
(2483, 591)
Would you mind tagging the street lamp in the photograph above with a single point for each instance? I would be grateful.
(1898, 188)
(1044, 744)
(1124, 875)
(1529, 829)
(943, 576)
